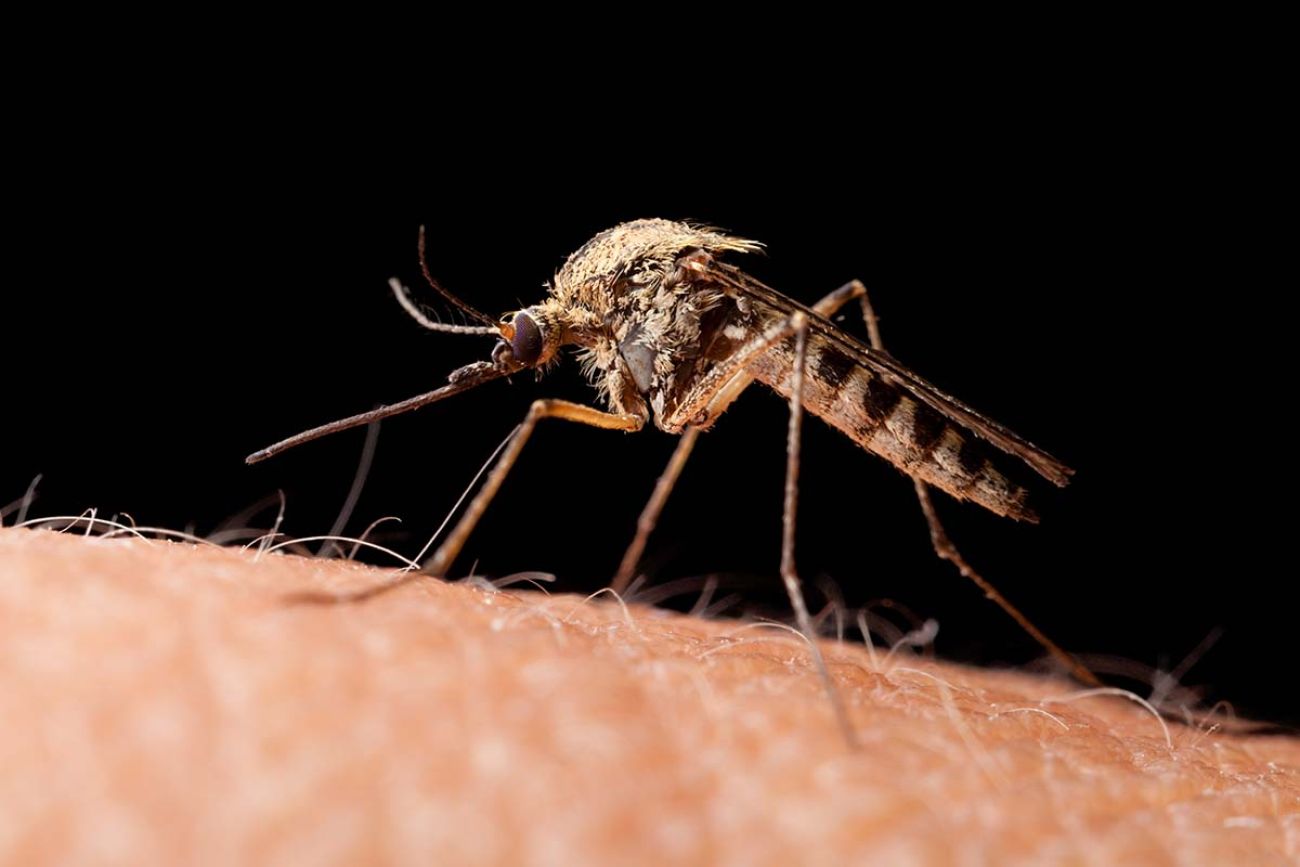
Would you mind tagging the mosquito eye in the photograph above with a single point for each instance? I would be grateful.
(526, 345)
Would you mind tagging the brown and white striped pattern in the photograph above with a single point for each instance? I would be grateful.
(885, 419)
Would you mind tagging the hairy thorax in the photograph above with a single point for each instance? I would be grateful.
(647, 326)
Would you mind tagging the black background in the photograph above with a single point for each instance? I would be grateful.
(181, 298)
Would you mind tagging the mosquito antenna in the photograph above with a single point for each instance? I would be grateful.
(424, 266)
(460, 380)
(413, 310)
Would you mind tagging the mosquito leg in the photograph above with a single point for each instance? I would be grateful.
(946, 550)
(789, 574)
(831, 304)
(718, 388)
(451, 547)
(559, 409)
(943, 546)
(663, 487)
(650, 514)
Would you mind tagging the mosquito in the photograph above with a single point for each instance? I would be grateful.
(667, 330)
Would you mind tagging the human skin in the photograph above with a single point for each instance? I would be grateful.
(164, 703)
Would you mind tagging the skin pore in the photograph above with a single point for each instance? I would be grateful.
(163, 703)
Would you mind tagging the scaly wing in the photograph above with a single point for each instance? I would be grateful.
(740, 283)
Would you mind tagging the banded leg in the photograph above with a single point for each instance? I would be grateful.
(668, 478)
(939, 539)
(449, 549)
(789, 574)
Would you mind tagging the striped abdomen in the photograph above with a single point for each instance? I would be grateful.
(884, 418)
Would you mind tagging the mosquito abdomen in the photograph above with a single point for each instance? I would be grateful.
(884, 418)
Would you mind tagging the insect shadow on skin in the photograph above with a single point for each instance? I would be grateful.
(666, 330)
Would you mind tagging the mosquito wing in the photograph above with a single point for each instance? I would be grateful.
(948, 406)
(889, 410)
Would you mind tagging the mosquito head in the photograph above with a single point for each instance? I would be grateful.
(529, 337)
